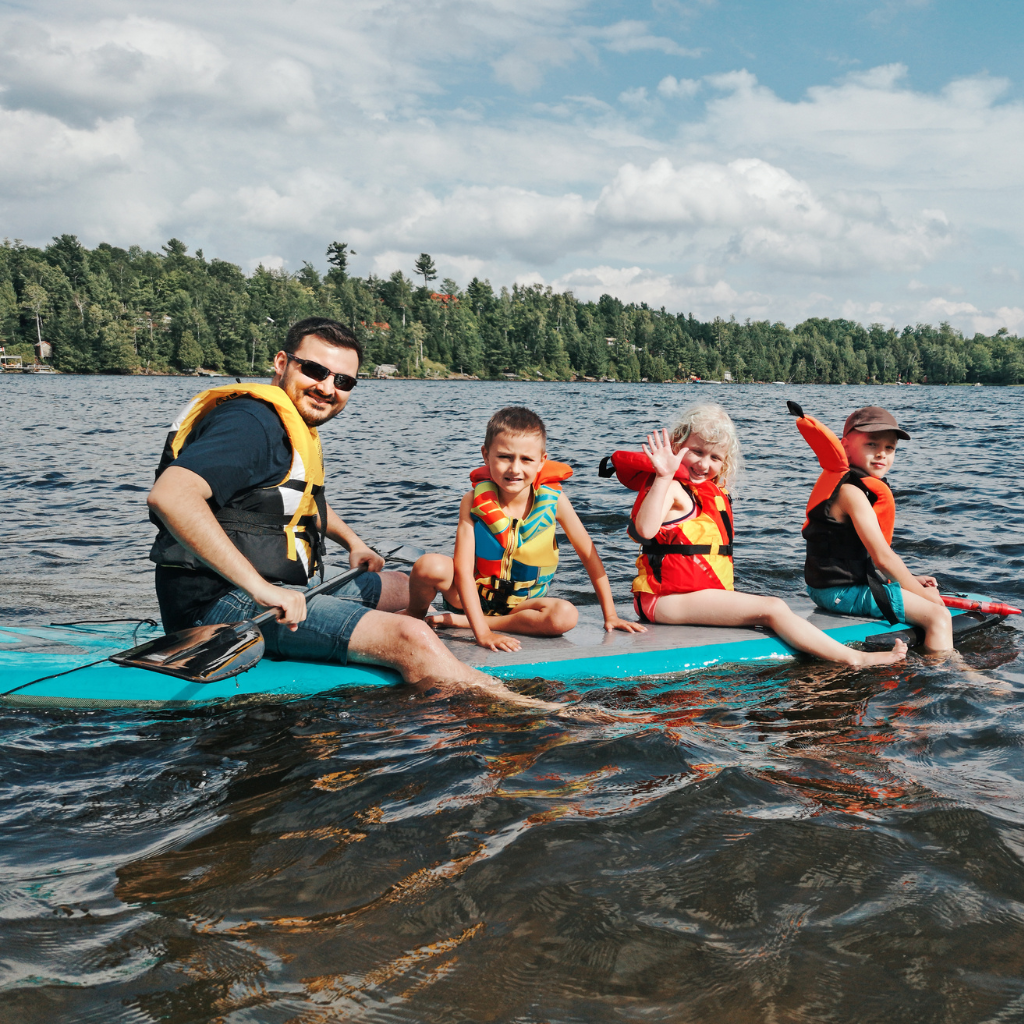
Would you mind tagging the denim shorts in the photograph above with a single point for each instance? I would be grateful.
(326, 630)
(858, 600)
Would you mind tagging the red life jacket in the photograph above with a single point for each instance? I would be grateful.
(695, 554)
(836, 556)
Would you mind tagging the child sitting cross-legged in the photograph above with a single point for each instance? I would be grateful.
(505, 549)
(682, 518)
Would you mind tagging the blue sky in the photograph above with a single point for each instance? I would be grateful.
(854, 158)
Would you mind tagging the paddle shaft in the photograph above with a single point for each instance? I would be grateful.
(987, 607)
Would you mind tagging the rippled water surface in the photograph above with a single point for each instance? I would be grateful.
(789, 844)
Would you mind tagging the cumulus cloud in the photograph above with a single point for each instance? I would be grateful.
(670, 86)
(770, 216)
(399, 127)
(39, 153)
(632, 36)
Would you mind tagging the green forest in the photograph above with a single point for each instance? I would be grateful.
(113, 310)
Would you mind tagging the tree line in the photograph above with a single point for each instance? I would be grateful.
(114, 310)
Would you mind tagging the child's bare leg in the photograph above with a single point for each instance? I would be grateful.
(430, 574)
(733, 608)
(540, 616)
(933, 618)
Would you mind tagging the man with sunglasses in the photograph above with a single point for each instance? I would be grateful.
(240, 507)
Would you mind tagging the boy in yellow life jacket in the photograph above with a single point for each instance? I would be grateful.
(505, 550)
(850, 518)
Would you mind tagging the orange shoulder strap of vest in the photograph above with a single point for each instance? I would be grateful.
(551, 473)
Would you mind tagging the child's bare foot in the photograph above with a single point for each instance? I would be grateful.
(866, 658)
(447, 620)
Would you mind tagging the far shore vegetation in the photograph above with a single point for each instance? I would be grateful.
(112, 310)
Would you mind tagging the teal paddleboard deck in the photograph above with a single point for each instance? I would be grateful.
(42, 665)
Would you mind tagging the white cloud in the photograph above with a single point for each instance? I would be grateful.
(1010, 317)
(399, 128)
(771, 216)
(670, 86)
(109, 63)
(637, 284)
(634, 97)
(267, 262)
(39, 152)
(633, 36)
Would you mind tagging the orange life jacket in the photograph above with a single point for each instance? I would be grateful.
(694, 554)
(836, 556)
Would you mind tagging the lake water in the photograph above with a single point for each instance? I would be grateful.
(787, 844)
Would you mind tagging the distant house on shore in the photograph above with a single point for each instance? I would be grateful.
(385, 370)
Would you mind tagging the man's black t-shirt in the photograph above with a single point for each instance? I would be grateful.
(241, 445)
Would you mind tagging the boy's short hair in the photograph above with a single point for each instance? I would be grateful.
(326, 330)
(514, 419)
(873, 419)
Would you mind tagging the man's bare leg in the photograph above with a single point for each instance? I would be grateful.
(410, 647)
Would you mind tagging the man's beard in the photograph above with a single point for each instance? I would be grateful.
(315, 415)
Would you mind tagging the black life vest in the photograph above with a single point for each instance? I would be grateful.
(274, 527)
(836, 556)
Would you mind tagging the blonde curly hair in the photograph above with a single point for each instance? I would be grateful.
(713, 424)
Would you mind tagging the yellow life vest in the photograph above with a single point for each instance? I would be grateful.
(274, 527)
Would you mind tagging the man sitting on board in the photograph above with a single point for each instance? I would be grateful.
(240, 507)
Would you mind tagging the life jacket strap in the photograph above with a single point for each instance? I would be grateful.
(877, 587)
(320, 498)
(494, 594)
(651, 548)
(265, 522)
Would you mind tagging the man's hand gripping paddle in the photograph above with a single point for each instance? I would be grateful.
(206, 654)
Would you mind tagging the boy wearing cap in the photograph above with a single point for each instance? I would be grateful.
(849, 527)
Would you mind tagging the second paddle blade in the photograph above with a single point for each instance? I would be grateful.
(204, 654)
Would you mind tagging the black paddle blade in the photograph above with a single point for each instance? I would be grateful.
(204, 654)
(963, 626)
(406, 554)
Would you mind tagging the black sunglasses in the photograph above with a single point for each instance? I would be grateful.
(342, 381)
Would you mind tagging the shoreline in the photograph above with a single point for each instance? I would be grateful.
(515, 380)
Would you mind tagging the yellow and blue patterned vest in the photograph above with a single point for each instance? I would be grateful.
(516, 559)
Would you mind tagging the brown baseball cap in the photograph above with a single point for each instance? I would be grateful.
(873, 419)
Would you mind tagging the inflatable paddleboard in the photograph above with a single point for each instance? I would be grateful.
(43, 664)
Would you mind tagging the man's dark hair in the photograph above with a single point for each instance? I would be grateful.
(514, 419)
(326, 330)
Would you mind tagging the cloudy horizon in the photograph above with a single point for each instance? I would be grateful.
(664, 152)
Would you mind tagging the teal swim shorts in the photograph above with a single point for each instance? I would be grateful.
(857, 600)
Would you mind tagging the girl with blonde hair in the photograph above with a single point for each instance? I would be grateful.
(682, 519)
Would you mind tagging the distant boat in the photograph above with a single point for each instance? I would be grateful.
(38, 368)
